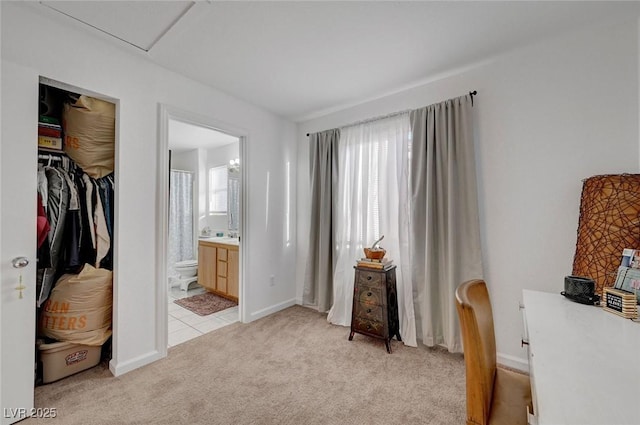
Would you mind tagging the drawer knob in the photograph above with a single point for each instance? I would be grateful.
(523, 342)
(369, 294)
(368, 277)
(368, 310)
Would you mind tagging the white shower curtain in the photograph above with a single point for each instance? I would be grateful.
(371, 201)
(181, 246)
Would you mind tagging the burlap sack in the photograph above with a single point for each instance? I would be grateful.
(89, 134)
(79, 308)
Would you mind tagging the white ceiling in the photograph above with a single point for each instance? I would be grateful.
(183, 137)
(139, 23)
(303, 59)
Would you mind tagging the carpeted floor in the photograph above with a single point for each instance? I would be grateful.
(289, 368)
(205, 304)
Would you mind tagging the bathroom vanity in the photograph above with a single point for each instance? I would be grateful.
(218, 266)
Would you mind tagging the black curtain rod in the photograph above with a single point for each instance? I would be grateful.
(471, 93)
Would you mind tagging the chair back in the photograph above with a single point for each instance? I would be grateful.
(478, 338)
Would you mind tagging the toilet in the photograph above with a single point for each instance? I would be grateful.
(188, 271)
(187, 268)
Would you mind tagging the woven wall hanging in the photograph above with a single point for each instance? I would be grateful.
(609, 222)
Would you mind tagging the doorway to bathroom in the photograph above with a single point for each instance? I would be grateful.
(203, 238)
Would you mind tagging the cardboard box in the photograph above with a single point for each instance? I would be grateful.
(61, 359)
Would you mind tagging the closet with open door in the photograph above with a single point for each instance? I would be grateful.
(76, 188)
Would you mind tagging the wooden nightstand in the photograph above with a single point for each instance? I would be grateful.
(375, 304)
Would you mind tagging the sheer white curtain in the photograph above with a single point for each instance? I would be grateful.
(372, 200)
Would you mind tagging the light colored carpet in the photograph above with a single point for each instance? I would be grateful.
(289, 368)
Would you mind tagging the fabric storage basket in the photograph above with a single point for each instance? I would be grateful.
(61, 359)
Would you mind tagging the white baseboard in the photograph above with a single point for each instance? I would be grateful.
(513, 362)
(299, 301)
(118, 369)
(272, 309)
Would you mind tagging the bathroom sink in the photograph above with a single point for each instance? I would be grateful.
(220, 239)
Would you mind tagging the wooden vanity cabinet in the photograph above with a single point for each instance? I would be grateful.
(207, 265)
(222, 270)
(233, 273)
(218, 268)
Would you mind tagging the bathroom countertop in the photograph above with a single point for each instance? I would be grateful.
(220, 239)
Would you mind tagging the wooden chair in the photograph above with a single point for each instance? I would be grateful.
(494, 395)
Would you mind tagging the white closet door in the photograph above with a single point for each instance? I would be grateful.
(18, 196)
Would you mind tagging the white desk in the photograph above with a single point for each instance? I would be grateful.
(585, 362)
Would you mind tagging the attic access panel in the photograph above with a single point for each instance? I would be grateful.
(138, 23)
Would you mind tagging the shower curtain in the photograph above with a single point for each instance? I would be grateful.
(181, 244)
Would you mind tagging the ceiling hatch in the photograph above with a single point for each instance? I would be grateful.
(139, 23)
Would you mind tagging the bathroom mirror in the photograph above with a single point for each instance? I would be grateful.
(233, 193)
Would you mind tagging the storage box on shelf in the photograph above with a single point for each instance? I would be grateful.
(49, 133)
(61, 359)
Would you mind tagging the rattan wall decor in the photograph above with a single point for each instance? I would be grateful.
(609, 222)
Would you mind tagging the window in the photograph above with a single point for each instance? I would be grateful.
(218, 190)
(371, 200)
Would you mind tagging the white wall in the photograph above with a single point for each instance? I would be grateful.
(81, 59)
(200, 161)
(185, 160)
(546, 117)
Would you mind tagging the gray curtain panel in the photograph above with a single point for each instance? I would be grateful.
(318, 284)
(445, 231)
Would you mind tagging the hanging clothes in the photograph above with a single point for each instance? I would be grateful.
(44, 252)
(58, 198)
(90, 199)
(105, 190)
(103, 241)
(86, 251)
(43, 228)
(42, 223)
(73, 229)
(79, 212)
(43, 186)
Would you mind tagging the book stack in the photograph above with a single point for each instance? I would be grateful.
(382, 264)
(49, 133)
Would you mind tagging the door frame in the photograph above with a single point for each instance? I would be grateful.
(115, 322)
(166, 113)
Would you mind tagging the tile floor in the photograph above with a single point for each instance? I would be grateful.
(185, 325)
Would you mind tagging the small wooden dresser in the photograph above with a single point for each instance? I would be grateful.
(375, 304)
